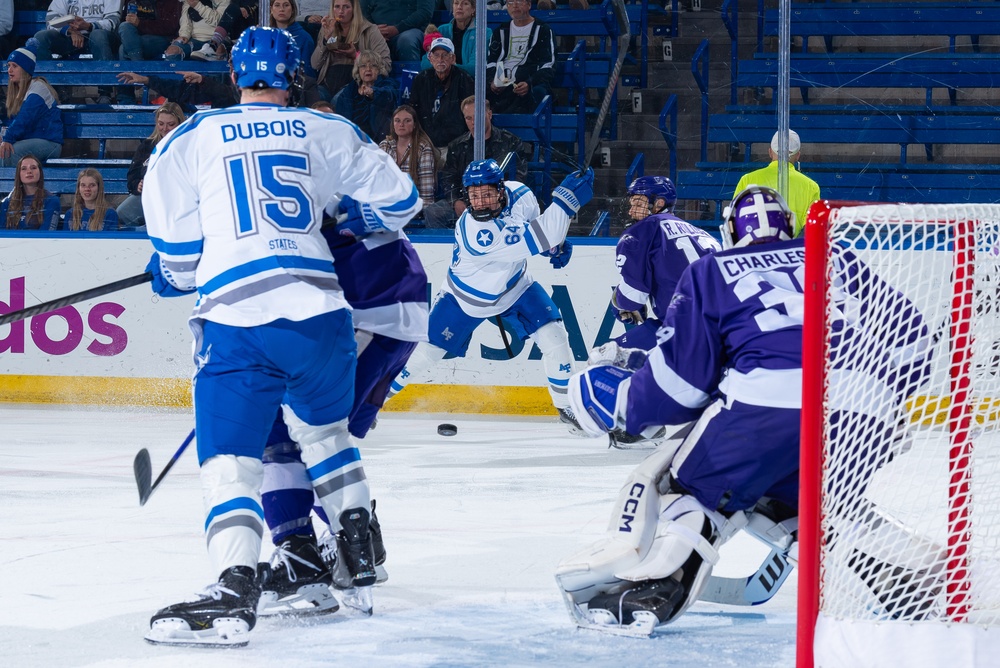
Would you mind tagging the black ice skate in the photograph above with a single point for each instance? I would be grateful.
(378, 547)
(568, 418)
(296, 581)
(639, 609)
(351, 559)
(222, 615)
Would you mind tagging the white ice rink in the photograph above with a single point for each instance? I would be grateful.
(474, 526)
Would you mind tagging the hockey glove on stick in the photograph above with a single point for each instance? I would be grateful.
(161, 283)
(361, 219)
(560, 255)
(575, 191)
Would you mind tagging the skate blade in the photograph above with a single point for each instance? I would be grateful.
(312, 599)
(605, 622)
(381, 575)
(358, 598)
(225, 632)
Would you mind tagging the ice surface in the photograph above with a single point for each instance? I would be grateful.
(474, 526)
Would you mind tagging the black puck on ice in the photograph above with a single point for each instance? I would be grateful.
(447, 429)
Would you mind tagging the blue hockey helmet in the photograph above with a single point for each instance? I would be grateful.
(484, 173)
(758, 214)
(265, 57)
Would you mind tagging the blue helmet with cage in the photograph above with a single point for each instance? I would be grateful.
(758, 214)
(265, 57)
(484, 173)
(654, 188)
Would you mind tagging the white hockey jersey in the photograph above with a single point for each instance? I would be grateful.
(234, 201)
(489, 267)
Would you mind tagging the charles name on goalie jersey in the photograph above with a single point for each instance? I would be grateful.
(727, 371)
(236, 217)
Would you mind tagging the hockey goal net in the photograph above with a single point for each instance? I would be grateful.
(900, 501)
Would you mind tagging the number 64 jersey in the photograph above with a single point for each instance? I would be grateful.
(733, 327)
(234, 201)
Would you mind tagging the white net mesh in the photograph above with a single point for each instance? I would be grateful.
(911, 470)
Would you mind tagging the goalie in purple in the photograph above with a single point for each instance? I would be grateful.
(727, 376)
(727, 370)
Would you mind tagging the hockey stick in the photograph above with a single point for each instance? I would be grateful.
(143, 469)
(624, 37)
(752, 590)
(83, 296)
(503, 332)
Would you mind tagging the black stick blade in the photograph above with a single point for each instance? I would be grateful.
(143, 469)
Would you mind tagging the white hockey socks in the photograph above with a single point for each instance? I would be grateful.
(333, 463)
(425, 357)
(235, 520)
(557, 357)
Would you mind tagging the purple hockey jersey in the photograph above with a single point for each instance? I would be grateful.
(651, 256)
(734, 326)
(384, 282)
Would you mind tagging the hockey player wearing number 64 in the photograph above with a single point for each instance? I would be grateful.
(234, 200)
(728, 369)
(489, 277)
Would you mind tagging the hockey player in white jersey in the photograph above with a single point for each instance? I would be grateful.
(499, 231)
(234, 201)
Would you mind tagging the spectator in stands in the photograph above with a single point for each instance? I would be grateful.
(146, 34)
(189, 89)
(802, 190)
(497, 144)
(167, 117)
(284, 15)
(369, 100)
(461, 30)
(311, 13)
(323, 106)
(342, 35)
(413, 151)
(521, 61)
(437, 94)
(401, 23)
(29, 206)
(97, 34)
(90, 211)
(34, 123)
(7, 34)
(238, 15)
(199, 19)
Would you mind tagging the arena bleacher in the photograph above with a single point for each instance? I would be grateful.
(893, 100)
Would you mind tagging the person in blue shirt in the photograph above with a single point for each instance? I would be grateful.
(90, 211)
(29, 206)
(461, 30)
(33, 120)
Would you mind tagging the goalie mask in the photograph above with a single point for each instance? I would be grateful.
(265, 58)
(644, 192)
(756, 215)
(483, 190)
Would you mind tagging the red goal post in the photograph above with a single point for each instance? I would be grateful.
(899, 535)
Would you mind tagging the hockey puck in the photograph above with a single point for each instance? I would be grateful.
(447, 429)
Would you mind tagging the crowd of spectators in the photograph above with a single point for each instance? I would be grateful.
(348, 47)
